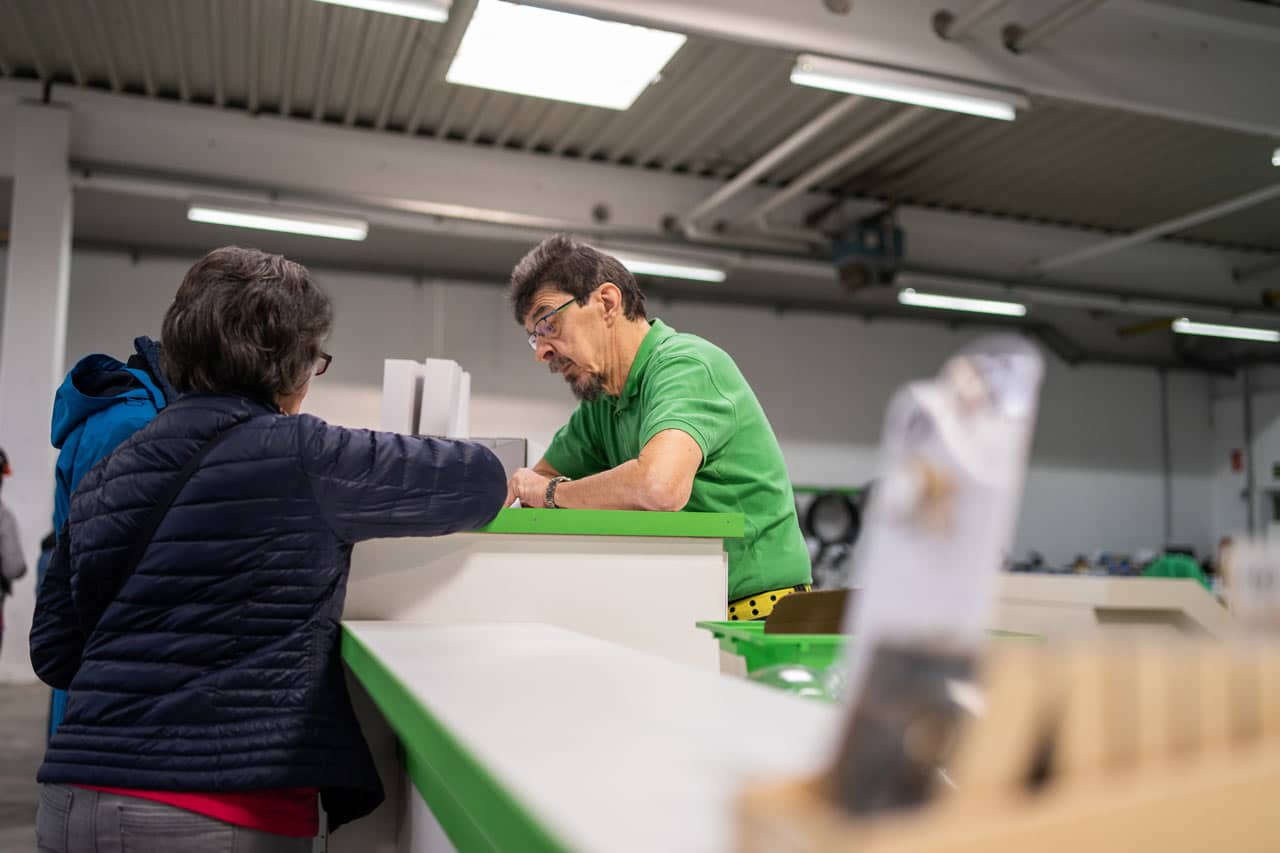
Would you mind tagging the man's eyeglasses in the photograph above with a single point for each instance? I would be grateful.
(545, 326)
(322, 363)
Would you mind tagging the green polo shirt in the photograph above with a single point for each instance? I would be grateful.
(679, 381)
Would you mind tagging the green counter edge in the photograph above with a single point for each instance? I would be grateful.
(612, 522)
(476, 812)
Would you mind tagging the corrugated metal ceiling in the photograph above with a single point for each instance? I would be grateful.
(716, 107)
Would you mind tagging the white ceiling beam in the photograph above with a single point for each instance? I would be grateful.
(747, 178)
(1058, 295)
(1224, 76)
(954, 26)
(417, 175)
(1154, 232)
(1021, 39)
(229, 146)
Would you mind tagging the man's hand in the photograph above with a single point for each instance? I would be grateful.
(529, 486)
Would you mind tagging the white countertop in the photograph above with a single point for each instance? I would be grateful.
(609, 749)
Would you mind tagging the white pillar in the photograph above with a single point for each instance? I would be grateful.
(32, 346)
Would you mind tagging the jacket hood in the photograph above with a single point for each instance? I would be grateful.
(149, 351)
(97, 382)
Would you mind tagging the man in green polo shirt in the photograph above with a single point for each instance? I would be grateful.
(666, 420)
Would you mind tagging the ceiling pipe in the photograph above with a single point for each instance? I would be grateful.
(1081, 298)
(952, 27)
(748, 176)
(438, 218)
(1019, 39)
(1146, 235)
(759, 217)
(1248, 274)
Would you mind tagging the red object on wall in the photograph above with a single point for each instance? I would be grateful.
(1237, 460)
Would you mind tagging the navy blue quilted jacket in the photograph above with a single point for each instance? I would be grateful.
(215, 666)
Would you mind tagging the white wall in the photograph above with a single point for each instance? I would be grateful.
(1095, 480)
(1230, 509)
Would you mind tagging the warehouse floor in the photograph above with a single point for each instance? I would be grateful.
(23, 710)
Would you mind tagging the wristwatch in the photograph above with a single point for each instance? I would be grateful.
(551, 491)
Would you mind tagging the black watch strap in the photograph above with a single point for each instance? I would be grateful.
(551, 492)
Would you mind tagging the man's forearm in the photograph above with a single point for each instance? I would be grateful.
(544, 468)
(624, 487)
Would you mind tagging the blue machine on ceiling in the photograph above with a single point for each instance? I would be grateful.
(869, 252)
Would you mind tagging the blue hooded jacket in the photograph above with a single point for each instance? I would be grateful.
(101, 403)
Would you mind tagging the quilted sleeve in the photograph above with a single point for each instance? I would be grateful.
(380, 484)
(57, 641)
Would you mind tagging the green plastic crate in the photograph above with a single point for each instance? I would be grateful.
(760, 650)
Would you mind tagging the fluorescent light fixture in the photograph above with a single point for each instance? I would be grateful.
(670, 269)
(423, 10)
(279, 220)
(556, 55)
(909, 296)
(1183, 326)
(1275, 157)
(907, 87)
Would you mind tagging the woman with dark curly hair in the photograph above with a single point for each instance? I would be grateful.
(192, 608)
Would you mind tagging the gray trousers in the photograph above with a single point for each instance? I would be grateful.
(73, 820)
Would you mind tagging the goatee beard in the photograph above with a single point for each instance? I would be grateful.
(586, 388)
(594, 388)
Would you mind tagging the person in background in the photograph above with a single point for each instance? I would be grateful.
(12, 564)
(666, 420)
(191, 609)
(101, 402)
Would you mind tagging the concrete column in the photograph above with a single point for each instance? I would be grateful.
(32, 346)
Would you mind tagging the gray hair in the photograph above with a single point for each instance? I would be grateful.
(246, 322)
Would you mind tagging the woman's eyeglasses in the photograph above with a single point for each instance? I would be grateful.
(322, 363)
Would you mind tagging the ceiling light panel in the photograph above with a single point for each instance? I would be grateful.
(559, 56)
(915, 299)
(289, 222)
(423, 10)
(671, 269)
(1183, 326)
(906, 87)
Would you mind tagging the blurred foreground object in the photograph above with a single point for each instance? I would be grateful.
(938, 529)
